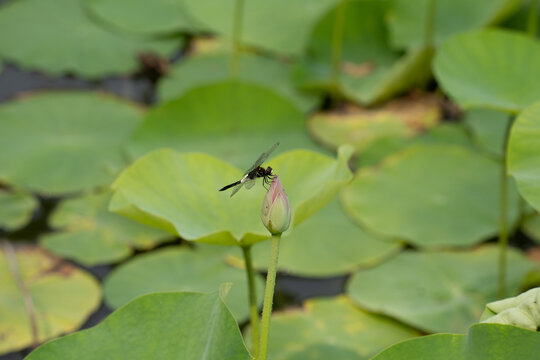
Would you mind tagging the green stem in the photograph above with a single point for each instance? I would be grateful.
(503, 216)
(237, 37)
(337, 44)
(430, 23)
(532, 21)
(268, 298)
(503, 234)
(254, 312)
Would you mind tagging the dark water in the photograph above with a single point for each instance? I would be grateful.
(15, 82)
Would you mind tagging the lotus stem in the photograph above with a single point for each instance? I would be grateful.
(268, 298)
(532, 20)
(503, 214)
(430, 24)
(237, 37)
(337, 44)
(254, 312)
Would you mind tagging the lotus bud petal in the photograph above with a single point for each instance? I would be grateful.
(275, 211)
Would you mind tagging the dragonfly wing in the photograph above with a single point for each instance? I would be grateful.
(236, 189)
(262, 158)
(249, 184)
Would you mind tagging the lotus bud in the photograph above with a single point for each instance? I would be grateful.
(275, 211)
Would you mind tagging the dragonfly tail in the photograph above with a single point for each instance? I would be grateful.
(230, 186)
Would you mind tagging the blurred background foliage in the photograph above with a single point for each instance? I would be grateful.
(423, 90)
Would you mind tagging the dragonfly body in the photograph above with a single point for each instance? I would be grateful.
(254, 172)
(252, 175)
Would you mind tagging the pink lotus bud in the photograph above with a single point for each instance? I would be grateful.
(275, 211)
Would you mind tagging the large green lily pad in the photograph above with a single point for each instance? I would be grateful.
(279, 26)
(493, 69)
(90, 234)
(210, 68)
(524, 154)
(59, 295)
(230, 120)
(58, 142)
(361, 126)
(179, 193)
(442, 134)
(332, 328)
(370, 71)
(16, 209)
(431, 196)
(436, 291)
(488, 128)
(304, 251)
(180, 269)
(133, 16)
(409, 71)
(42, 37)
(407, 19)
(482, 342)
(167, 326)
(234, 118)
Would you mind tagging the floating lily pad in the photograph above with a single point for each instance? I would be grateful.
(361, 127)
(436, 291)
(68, 41)
(90, 234)
(524, 154)
(443, 134)
(280, 26)
(431, 196)
(166, 326)
(407, 19)
(447, 134)
(488, 128)
(493, 69)
(180, 269)
(16, 209)
(482, 342)
(179, 193)
(59, 142)
(207, 69)
(370, 70)
(133, 16)
(409, 71)
(304, 251)
(59, 296)
(230, 120)
(208, 45)
(332, 328)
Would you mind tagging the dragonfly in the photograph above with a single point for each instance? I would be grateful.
(254, 172)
